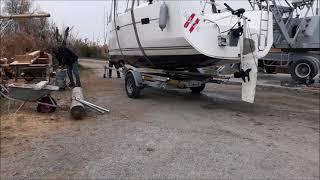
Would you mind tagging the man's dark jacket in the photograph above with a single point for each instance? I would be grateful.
(65, 56)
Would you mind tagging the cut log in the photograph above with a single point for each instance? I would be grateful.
(77, 109)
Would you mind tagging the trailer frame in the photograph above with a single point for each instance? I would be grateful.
(136, 79)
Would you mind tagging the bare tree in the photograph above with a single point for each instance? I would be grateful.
(17, 6)
(17, 35)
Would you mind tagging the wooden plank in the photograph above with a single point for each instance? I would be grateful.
(16, 16)
(23, 58)
(14, 63)
(40, 61)
(35, 53)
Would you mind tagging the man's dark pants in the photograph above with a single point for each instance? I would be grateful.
(74, 70)
(116, 65)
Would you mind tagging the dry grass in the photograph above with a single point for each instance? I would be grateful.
(18, 43)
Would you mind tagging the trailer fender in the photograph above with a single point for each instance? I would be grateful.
(137, 77)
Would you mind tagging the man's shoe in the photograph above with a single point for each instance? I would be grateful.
(71, 85)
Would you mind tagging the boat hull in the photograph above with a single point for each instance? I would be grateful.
(171, 62)
(177, 46)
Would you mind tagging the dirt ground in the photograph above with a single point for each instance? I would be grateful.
(165, 134)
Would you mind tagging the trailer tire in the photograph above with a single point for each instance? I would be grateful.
(197, 90)
(132, 90)
(304, 69)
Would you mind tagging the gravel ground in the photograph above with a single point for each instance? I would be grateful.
(166, 134)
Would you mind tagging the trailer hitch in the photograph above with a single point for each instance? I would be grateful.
(242, 74)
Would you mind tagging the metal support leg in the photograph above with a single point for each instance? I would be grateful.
(105, 71)
(20, 107)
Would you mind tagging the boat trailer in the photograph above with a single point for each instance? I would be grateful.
(136, 79)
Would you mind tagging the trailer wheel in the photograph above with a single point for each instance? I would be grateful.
(132, 90)
(197, 90)
(304, 69)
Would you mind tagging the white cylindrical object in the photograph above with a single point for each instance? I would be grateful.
(77, 109)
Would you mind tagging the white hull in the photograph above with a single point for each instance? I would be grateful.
(175, 40)
(193, 37)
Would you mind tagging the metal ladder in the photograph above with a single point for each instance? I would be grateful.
(264, 23)
(264, 28)
(278, 12)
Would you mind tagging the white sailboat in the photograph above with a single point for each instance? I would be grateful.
(183, 35)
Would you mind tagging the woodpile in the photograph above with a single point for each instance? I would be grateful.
(36, 57)
(30, 66)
